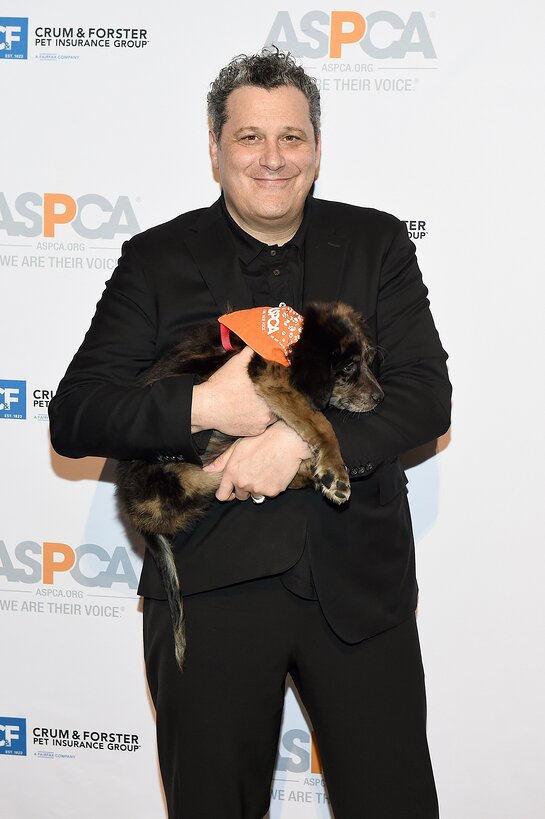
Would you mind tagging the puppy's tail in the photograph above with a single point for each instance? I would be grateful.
(161, 550)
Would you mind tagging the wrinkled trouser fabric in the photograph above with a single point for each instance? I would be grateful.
(218, 722)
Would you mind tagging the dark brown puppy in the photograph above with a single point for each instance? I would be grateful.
(329, 367)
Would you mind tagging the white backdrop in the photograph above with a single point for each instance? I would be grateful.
(433, 112)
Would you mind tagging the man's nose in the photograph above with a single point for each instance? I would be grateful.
(271, 156)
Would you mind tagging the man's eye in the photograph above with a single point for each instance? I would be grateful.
(291, 138)
(249, 138)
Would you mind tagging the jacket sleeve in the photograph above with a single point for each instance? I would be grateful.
(98, 408)
(411, 370)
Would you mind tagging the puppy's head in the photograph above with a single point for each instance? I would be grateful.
(330, 362)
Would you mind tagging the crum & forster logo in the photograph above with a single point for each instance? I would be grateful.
(13, 38)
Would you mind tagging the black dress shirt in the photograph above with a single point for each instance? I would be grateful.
(274, 274)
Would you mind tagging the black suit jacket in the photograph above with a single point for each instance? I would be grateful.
(176, 275)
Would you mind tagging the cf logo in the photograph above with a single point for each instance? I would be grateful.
(9, 732)
(8, 395)
(9, 35)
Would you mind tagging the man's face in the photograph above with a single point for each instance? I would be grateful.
(267, 157)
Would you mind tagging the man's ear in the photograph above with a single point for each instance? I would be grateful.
(213, 146)
(318, 155)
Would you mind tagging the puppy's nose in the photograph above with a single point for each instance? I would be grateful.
(377, 396)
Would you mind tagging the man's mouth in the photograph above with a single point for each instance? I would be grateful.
(275, 180)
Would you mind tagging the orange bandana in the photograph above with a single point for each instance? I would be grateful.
(270, 331)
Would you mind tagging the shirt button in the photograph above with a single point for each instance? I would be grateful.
(276, 272)
(273, 252)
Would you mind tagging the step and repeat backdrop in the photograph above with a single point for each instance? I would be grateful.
(431, 111)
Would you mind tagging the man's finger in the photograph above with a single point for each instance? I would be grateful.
(245, 355)
(218, 464)
(226, 490)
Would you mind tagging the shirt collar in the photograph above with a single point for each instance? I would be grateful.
(248, 247)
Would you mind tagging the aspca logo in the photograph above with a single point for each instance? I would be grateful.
(13, 38)
(91, 215)
(88, 565)
(380, 34)
(12, 399)
(12, 736)
(273, 320)
(298, 753)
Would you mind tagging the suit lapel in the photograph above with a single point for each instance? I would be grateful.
(211, 246)
(325, 250)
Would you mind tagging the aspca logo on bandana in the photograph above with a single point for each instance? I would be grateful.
(273, 320)
(270, 331)
(284, 324)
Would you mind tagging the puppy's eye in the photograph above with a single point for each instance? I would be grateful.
(348, 368)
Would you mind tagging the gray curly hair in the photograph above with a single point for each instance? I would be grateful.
(271, 68)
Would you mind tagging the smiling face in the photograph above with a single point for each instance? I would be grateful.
(267, 158)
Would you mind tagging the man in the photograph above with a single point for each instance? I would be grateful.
(291, 585)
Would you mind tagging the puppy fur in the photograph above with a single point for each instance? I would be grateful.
(330, 366)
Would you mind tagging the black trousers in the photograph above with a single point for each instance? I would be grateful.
(218, 723)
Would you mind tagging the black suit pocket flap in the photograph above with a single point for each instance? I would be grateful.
(391, 481)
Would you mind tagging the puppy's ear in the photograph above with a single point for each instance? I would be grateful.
(312, 370)
(311, 374)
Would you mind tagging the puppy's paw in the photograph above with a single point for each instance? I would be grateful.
(333, 482)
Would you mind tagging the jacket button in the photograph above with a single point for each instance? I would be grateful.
(369, 467)
(354, 471)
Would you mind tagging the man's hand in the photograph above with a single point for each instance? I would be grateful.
(228, 402)
(261, 465)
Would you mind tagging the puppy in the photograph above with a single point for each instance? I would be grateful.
(329, 366)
